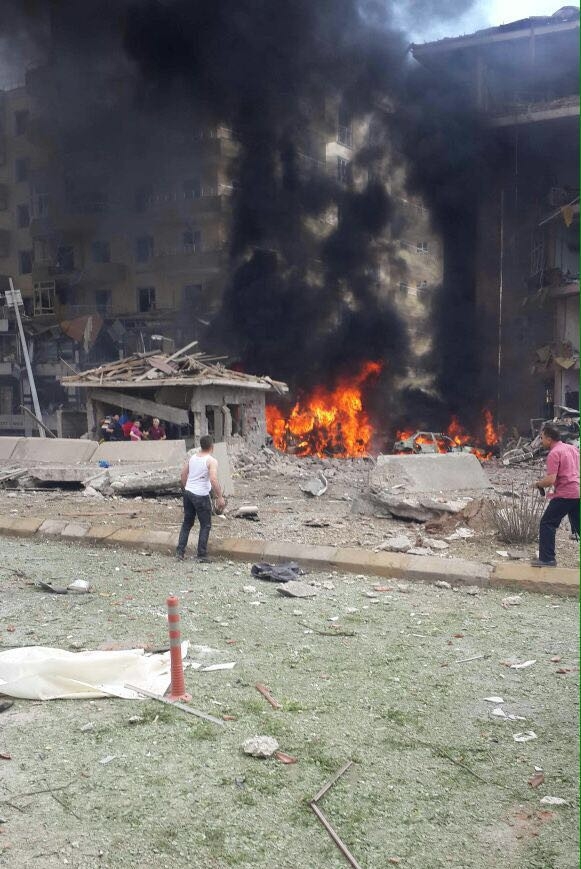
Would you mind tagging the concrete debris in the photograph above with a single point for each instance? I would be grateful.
(513, 600)
(79, 586)
(553, 801)
(395, 544)
(517, 554)
(461, 534)
(441, 583)
(419, 550)
(527, 736)
(431, 473)
(90, 492)
(260, 746)
(316, 486)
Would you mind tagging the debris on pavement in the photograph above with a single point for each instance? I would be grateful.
(537, 779)
(276, 572)
(494, 700)
(284, 757)
(498, 712)
(297, 589)
(211, 667)
(316, 486)
(260, 746)
(513, 600)
(518, 666)
(441, 583)
(176, 705)
(248, 512)
(79, 586)
(322, 818)
(262, 689)
(527, 736)
(395, 544)
(5, 705)
(553, 801)
(47, 586)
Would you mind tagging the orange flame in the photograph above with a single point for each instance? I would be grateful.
(461, 438)
(327, 422)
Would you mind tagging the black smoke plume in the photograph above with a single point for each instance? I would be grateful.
(300, 303)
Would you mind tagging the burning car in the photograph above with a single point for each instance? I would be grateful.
(430, 442)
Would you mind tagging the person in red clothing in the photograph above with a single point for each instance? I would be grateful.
(563, 476)
(127, 426)
(156, 431)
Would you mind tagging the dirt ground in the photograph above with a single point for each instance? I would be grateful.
(284, 510)
(438, 781)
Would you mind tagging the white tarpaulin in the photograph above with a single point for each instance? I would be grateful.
(41, 673)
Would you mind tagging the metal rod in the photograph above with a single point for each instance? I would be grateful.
(330, 784)
(338, 842)
(41, 428)
(181, 706)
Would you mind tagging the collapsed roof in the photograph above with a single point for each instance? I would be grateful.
(142, 370)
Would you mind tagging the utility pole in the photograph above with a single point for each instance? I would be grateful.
(14, 300)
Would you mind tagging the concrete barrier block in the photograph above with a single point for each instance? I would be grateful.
(548, 580)
(320, 557)
(67, 451)
(237, 548)
(26, 527)
(7, 447)
(142, 453)
(75, 529)
(53, 527)
(449, 472)
(98, 533)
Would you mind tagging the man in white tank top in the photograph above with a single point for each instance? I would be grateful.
(199, 477)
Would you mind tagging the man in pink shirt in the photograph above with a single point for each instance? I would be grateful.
(563, 476)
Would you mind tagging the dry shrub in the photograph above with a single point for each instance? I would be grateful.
(517, 518)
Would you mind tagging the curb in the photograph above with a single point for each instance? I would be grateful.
(391, 565)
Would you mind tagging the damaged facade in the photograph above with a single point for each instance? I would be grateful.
(134, 257)
(192, 393)
(524, 78)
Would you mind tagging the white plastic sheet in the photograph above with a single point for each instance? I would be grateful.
(42, 673)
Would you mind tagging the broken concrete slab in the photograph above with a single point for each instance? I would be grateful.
(378, 502)
(395, 544)
(53, 526)
(69, 451)
(315, 486)
(431, 473)
(144, 452)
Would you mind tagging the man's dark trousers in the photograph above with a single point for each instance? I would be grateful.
(200, 506)
(556, 510)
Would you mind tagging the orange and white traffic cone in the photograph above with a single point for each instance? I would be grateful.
(177, 690)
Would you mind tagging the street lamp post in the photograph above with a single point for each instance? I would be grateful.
(14, 300)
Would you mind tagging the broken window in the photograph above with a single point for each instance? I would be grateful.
(23, 216)
(103, 301)
(144, 248)
(43, 297)
(422, 246)
(236, 414)
(192, 188)
(146, 299)
(192, 240)
(101, 252)
(21, 169)
(21, 121)
(343, 170)
(344, 129)
(41, 250)
(65, 258)
(25, 262)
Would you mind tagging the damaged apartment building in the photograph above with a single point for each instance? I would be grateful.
(524, 78)
(118, 256)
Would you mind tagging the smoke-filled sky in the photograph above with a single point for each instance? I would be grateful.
(421, 19)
